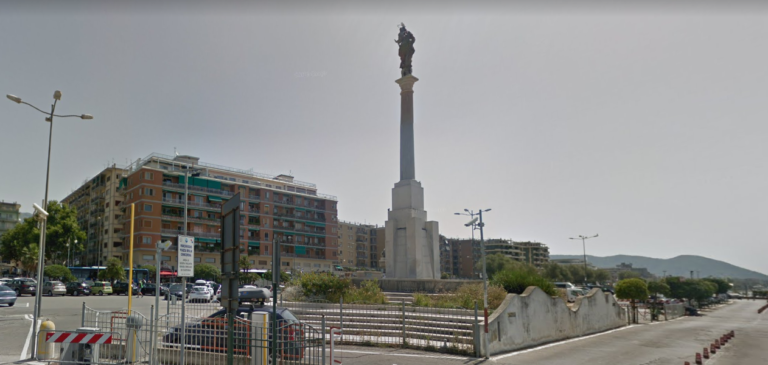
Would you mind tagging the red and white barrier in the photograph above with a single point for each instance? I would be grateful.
(74, 337)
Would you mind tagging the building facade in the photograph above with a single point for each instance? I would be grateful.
(360, 245)
(97, 203)
(458, 257)
(533, 253)
(274, 209)
(9, 217)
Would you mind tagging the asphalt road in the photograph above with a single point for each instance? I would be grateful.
(670, 342)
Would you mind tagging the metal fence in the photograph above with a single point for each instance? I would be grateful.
(399, 325)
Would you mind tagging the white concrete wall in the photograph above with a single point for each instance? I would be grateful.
(534, 318)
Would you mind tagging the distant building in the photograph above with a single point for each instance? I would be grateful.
(360, 245)
(9, 217)
(533, 253)
(459, 257)
(614, 271)
(97, 204)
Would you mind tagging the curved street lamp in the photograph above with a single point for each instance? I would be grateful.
(583, 238)
(41, 255)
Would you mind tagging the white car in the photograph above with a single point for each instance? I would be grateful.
(200, 293)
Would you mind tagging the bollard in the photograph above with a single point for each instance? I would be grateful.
(687, 363)
(698, 358)
(706, 353)
(733, 334)
(45, 351)
(717, 344)
(712, 349)
(134, 323)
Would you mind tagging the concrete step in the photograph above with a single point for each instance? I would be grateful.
(413, 332)
(447, 327)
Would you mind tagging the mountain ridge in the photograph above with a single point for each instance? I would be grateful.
(681, 265)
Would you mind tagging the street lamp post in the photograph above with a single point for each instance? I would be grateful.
(187, 174)
(482, 253)
(583, 238)
(41, 255)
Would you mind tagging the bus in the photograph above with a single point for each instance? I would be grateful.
(90, 273)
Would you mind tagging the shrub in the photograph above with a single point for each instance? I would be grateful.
(633, 289)
(324, 285)
(515, 282)
(464, 297)
(368, 293)
(59, 272)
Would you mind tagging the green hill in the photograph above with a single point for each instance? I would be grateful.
(676, 266)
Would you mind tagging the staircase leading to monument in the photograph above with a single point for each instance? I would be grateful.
(394, 297)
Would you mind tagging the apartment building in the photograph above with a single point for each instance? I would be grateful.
(360, 245)
(533, 253)
(97, 203)
(274, 209)
(9, 217)
(458, 257)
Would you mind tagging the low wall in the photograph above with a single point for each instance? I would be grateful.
(418, 285)
(534, 318)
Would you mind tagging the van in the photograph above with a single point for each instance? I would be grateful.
(564, 285)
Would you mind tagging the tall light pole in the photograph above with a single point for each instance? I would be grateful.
(583, 238)
(187, 174)
(41, 255)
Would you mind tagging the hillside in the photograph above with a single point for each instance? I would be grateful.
(676, 266)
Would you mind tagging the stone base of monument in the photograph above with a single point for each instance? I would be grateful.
(430, 286)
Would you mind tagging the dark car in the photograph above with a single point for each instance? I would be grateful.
(122, 288)
(23, 286)
(176, 290)
(76, 289)
(7, 296)
(210, 333)
(149, 289)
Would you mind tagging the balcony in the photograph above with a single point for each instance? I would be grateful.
(198, 189)
(180, 202)
(175, 232)
(292, 203)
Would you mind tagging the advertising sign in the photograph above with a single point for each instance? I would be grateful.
(186, 256)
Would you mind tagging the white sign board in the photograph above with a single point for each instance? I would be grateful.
(186, 256)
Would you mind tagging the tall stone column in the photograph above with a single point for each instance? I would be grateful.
(407, 155)
(412, 249)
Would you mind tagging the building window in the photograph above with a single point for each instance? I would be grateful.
(210, 260)
(197, 259)
(150, 192)
(166, 258)
(147, 223)
(146, 240)
(149, 176)
(148, 257)
(266, 236)
(147, 207)
(262, 262)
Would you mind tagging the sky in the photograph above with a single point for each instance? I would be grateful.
(643, 124)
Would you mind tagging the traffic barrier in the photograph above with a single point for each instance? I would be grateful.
(733, 333)
(687, 363)
(712, 349)
(717, 344)
(74, 337)
(706, 353)
(698, 358)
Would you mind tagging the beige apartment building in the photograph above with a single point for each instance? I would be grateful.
(459, 257)
(360, 245)
(98, 215)
(274, 209)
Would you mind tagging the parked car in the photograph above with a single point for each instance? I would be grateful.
(565, 285)
(210, 334)
(74, 288)
(149, 289)
(101, 288)
(23, 286)
(121, 287)
(200, 294)
(7, 296)
(54, 288)
(177, 290)
(5, 281)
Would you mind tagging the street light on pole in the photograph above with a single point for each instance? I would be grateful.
(41, 254)
(583, 238)
(474, 222)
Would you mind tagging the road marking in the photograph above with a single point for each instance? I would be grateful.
(406, 355)
(29, 336)
(560, 343)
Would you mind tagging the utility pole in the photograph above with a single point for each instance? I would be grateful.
(583, 238)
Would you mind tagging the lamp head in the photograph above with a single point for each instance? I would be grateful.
(466, 210)
(487, 210)
(40, 212)
(473, 221)
(13, 98)
(86, 116)
(57, 95)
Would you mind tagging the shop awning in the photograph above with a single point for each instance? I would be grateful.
(214, 198)
(315, 224)
(167, 273)
(301, 250)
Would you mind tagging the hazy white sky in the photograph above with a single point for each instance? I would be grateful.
(645, 125)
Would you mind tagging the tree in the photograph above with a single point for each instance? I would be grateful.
(152, 270)
(723, 286)
(113, 272)
(498, 262)
(516, 281)
(59, 272)
(632, 289)
(14, 241)
(628, 275)
(29, 257)
(245, 265)
(284, 277)
(601, 276)
(556, 272)
(659, 287)
(207, 272)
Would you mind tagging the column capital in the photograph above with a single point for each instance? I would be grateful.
(406, 83)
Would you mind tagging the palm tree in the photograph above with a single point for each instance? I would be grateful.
(29, 255)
